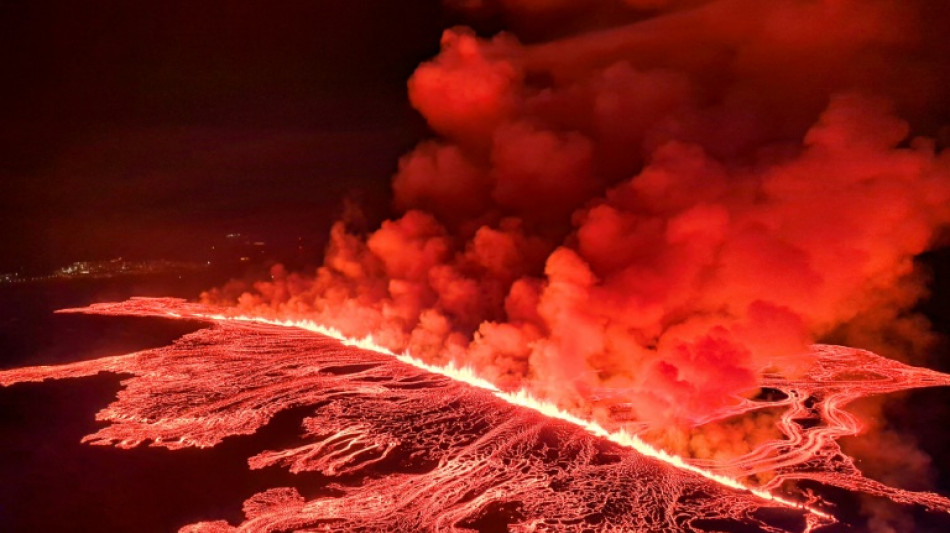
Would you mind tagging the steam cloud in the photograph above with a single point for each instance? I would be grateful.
(653, 214)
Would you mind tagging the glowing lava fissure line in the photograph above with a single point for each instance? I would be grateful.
(523, 398)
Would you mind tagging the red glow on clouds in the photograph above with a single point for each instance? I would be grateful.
(641, 223)
(667, 208)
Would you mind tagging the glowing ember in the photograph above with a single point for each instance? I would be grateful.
(442, 449)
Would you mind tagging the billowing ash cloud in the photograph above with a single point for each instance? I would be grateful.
(656, 213)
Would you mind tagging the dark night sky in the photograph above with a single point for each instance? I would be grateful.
(150, 128)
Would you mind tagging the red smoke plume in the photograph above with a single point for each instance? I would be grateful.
(657, 213)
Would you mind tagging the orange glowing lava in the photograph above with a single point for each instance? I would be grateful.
(441, 448)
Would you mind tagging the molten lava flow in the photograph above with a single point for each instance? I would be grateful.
(440, 448)
(521, 398)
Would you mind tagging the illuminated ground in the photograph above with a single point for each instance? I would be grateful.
(433, 453)
(415, 450)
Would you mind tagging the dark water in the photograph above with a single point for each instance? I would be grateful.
(51, 482)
